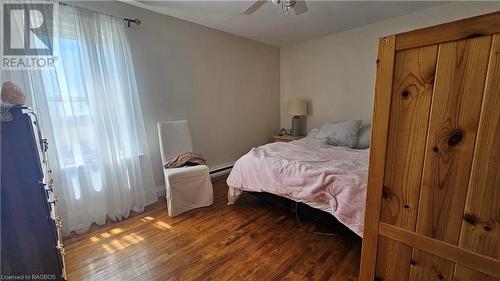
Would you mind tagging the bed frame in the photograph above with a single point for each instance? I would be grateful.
(324, 219)
(433, 198)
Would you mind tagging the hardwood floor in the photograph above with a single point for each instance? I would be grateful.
(252, 240)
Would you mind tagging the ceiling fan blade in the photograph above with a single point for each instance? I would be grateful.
(254, 7)
(300, 7)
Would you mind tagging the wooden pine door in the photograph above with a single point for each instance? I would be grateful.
(433, 207)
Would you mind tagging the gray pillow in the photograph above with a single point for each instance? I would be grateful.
(342, 133)
(364, 137)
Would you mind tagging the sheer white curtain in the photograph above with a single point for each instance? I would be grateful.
(90, 111)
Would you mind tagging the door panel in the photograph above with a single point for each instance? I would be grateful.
(427, 267)
(435, 113)
(392, 254)
(410, 106)
(459, 86)
(433, 204)
(463, 273)
(481, 227)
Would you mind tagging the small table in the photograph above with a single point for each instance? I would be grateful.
(286, 138)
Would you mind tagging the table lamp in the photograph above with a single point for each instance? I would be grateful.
(296, 108)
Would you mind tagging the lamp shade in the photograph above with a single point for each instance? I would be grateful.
(297, 107)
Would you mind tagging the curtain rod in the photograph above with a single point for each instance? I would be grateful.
(129, 21)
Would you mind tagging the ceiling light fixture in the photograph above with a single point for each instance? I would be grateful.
(286, 5)
(299, 6)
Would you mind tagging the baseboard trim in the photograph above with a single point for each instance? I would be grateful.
(221, 168)
(160, 191)
(221, 171)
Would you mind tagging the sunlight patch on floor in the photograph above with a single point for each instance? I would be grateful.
(158, 224)
(108, 248)
(163, 224)
(147, 219)
(121, 243)
(113, 231)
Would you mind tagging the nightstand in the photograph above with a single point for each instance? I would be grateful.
(286, 138)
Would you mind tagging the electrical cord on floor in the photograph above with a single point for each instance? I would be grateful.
(307, 230)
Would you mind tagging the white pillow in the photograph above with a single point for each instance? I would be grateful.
(341, 133)
(363, 141)
(313, 133)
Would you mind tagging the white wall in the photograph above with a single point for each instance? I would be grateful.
(226, 86)
(336, 73)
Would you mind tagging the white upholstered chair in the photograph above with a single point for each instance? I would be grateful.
(186, 187)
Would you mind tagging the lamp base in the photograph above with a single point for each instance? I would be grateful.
(295, 131)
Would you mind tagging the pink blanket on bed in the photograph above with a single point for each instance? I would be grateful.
(334, 176)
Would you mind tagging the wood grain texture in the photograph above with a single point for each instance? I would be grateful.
(251, 240)
(467, 274)
(481, 231)
(427, 267)
(458, 30)
(392, 254)
(458, 90)
(453, 203)
(480, 263)
(378, 142)
(410, 106)
(483, 199)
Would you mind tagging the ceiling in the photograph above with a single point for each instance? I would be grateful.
(269, 25)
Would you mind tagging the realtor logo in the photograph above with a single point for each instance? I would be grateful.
(28, 35)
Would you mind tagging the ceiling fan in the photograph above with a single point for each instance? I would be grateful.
(299, 6)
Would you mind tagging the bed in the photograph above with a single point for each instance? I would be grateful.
(329, 178)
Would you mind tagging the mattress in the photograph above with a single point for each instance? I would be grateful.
(332, 179)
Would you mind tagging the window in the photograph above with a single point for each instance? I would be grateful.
(72, 118)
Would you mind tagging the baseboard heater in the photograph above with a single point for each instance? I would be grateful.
(220, 171)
